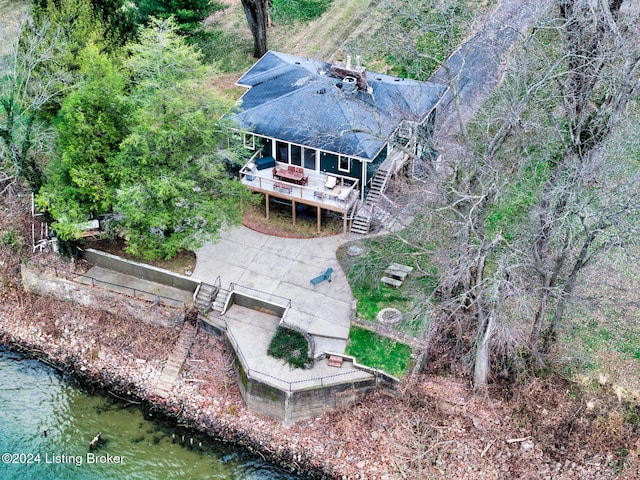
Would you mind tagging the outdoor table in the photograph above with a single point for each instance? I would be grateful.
(290, 175)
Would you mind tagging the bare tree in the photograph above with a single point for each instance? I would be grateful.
(584, 204)
(532, 196)
(30, 79)
(257, 13)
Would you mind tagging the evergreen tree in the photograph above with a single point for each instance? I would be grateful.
(188, 14)
(90, 126)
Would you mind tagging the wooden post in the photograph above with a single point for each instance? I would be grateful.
(293, 211)
(266, 205)
(344, 222)
(319, 216)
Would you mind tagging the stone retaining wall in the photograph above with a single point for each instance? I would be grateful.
(140, 270)
(46, 283)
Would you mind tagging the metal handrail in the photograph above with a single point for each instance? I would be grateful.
(155, 296)
(233, 286)
(319, 381)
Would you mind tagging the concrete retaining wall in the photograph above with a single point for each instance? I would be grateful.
(44, 283)
(140, 270)
(247, 301)
(294, 406)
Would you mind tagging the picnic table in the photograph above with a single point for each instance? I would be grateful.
(395, 274)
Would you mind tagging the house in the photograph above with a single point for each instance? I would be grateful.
(333, 126)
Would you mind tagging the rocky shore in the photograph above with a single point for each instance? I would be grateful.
(124, 357)
(435, 428)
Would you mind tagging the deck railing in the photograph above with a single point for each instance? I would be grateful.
(294, 385)
(263, 180)
(113, 287)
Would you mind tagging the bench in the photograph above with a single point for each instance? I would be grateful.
(326, 275)
(397, 271)
(335, 361)
(89, 229)
(392, 282)
(395, 274)
(282, 187)
(318, 194)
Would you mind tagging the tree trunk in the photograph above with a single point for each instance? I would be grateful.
(257, 13)
(481, 368)
(550, 334)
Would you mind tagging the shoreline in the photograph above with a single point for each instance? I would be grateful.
(382, 437)
(172, 410)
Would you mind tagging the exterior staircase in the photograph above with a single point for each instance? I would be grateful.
(220, 300)
(176, 360)
(362, 220)
(204, 298)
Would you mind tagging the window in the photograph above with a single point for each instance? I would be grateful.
(296, 155)
(249, 141)
(344, 164)
(266, 145)
(309, 158)
(282, 152)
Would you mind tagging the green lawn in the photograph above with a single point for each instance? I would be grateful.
(379, 352)
(366, 270)
(287, 11)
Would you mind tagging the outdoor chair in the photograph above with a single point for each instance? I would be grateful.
(331, 182)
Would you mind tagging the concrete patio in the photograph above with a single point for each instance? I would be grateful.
(279, 269)
(283, 267)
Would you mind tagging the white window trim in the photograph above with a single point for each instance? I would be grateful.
(340, 158)
(249, 145)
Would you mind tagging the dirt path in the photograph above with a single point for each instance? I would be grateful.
(477, 64)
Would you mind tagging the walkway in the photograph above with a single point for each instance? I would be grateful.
(136, 287)
(284, 267)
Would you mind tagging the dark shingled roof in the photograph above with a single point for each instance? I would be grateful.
(298, 100)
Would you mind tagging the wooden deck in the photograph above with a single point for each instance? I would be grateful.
(341, 199)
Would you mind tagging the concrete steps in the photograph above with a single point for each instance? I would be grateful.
(220, 300)
(176, 360)
(206, 294)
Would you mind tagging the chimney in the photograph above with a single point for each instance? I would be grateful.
(358, 62)
(348, 62)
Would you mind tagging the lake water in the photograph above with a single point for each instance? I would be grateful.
(35, 398)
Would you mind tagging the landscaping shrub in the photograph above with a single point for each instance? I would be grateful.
(291, 346)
